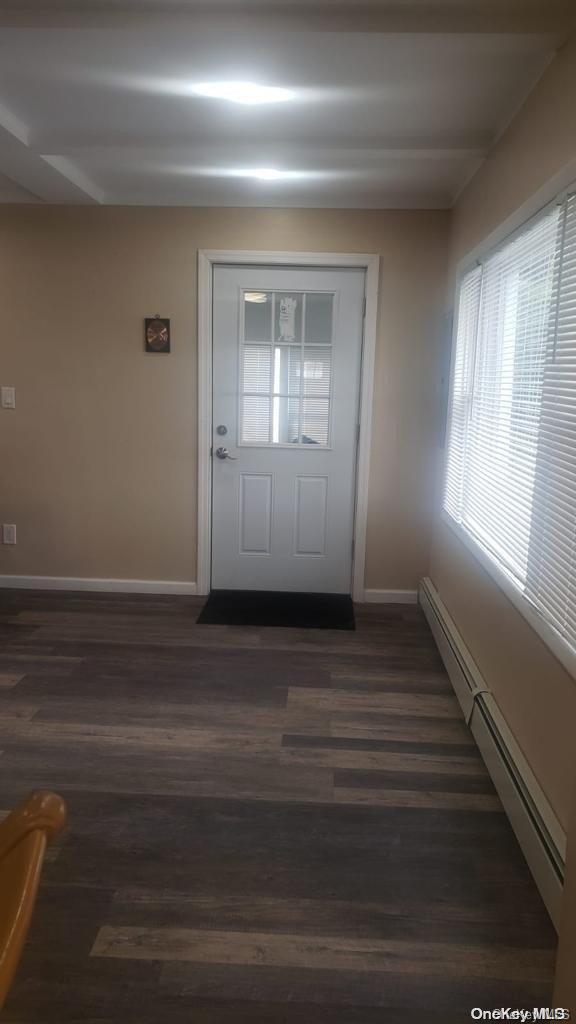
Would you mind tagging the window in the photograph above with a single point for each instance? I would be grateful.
(511, 449)
(286, 368)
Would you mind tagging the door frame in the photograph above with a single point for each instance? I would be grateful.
(207, 260)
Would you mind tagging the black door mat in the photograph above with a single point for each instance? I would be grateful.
(276, 608)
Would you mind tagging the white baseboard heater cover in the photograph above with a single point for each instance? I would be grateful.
(535, 824)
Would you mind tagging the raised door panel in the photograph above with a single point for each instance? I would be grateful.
(310, 515)
(255, 513)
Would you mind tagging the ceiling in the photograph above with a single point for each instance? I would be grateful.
(393, 104)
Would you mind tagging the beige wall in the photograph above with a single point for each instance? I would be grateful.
(539, 142)
(535, 694)
(99, 458)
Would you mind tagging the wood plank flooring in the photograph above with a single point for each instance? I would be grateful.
(272, 825)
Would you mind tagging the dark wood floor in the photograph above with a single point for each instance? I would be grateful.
(271, 826)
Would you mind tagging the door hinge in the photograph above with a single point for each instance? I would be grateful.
(364, 307)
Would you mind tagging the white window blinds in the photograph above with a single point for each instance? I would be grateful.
(511, 451)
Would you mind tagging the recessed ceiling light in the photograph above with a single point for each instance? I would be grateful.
(269, 174)
(243, 92)
(265, 174)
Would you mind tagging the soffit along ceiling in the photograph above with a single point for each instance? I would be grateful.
(390, 104)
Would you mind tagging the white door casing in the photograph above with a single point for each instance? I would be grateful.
(286, 377)
(208, 259)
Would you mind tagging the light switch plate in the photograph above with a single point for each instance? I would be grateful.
(8, 398)
(8, 533)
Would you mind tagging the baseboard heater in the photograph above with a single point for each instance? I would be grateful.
(535, 824)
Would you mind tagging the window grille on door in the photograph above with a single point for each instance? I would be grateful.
(286, 368)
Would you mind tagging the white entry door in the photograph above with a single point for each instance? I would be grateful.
(287, 353)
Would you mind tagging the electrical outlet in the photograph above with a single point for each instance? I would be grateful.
(8, 533)
(8, 398)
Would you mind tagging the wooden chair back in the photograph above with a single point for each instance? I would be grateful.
(24, 836)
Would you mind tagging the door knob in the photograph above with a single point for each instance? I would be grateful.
(223, 453)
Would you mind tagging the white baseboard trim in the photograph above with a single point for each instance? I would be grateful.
(539, 833)
(391, 596)
(97, 585)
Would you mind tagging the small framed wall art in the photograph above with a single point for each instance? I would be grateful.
(157, 334)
